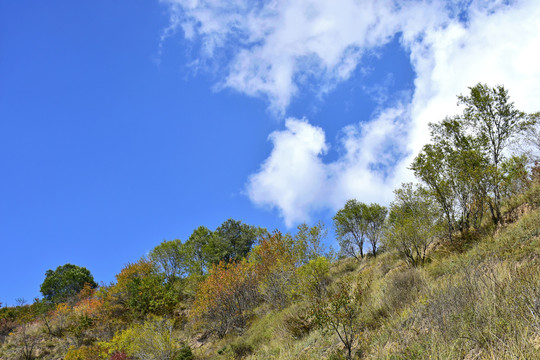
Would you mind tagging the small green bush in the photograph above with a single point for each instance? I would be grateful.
(241, 349)
(184, 353)
(298, 325)
(403, 288)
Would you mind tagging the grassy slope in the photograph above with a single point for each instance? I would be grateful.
(476, 299)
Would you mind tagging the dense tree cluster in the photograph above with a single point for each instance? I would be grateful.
(464, 173)
(218, 276)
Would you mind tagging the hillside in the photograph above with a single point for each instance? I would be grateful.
(475, 298)
(450, 270)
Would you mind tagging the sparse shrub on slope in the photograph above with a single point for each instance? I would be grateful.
(403, 287)
(486, 305)
(339, 313)
(154, 339)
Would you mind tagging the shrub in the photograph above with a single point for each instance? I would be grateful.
(275, 259)
(403, 287)
(144, 291)
(120, 355)
(298, 324)
(184, 353)
(313, 277)
(241, 349)
(152, 340)
(85, 353)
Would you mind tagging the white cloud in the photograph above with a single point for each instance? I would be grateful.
(278, 44)
(296, 181)
(293, 177)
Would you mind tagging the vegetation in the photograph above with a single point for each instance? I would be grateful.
(413, 224)
(357, 222)
(454, 272)
(65, 282)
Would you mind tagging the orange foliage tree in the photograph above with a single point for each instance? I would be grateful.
(275, 260)
(226, 295)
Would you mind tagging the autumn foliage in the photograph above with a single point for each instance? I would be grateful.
(226, 296)
(276, 257)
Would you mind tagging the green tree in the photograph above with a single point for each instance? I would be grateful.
(196, 249)
(351, 224)
(338, 312)
(309, 241)
(376, 216)
(171, 259)
(515, 175)
(232, 241)
(530, 144)
(454, 169)
(413, 224)
(493, 118)
(65, 282)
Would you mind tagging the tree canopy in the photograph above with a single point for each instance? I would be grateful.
(357, 222)
(232, 241)
(65, 282)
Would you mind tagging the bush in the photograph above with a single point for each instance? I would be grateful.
(152, 340)
(241, 349)
(298, 325)
(85, 353)
(184, 353)
(403, 287)
(313, 277)
(275, 258)
(120, 355)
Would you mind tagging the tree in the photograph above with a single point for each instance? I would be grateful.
(338, 312)
(309, 241)
(225, 296)
(376, 216)
(232, 241)
(491, 115)
(454, 167)
(170, 258)
(351, 228)
(413, 224)
(196, 248)
(65, 282)
(532, 139)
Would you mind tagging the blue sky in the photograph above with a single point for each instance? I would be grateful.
(124, 123)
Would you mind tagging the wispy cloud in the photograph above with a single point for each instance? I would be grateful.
(274, 48)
